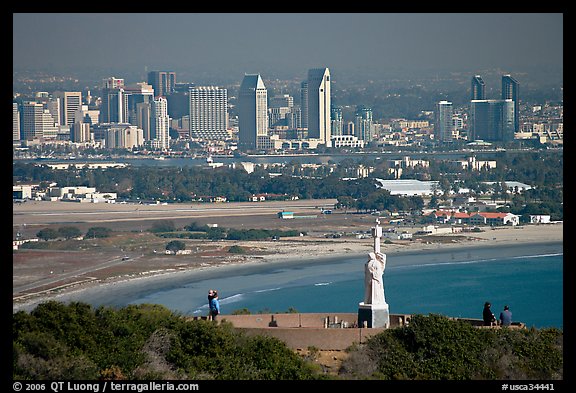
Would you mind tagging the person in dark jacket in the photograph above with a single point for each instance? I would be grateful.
(488, 315)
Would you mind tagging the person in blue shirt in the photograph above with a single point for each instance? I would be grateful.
(506, 317)
(214, 304)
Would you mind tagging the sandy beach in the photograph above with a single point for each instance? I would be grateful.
(286, 251)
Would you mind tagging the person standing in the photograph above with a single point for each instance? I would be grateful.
(210, 297)
(214, 305)
(506, 317)
(488, 315)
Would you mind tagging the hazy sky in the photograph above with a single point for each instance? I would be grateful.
(288, 42)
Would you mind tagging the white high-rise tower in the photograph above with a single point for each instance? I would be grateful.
(208, 113)
(160, 122)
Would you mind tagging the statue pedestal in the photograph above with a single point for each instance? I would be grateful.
(375, 315)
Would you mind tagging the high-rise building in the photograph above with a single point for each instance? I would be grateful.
(491, 120)
(208, 113)
(278, 108)
(444, 127)
(113, 83)
(143, 117)
(80, 131)
(319, 105)
(510, 91)
(37, 122)
(294, 118)
(163, 82)
(252, 112)
(114, 107)
(55, 108)
(478, 91)
(70, 102)
(160, 123)
(304, 104)
(179, 101)
(363, 124)
(15, 122)
(124, 136)
(337, 126)
(137, 93)
(86, 115)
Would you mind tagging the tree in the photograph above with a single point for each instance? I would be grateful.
(99, 232)
(445, 187)
(69, 232)
(47, 234)
(346, 202)
(163, 226)
(504, 191)
(175, 246)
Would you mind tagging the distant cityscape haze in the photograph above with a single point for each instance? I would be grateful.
(222, 47)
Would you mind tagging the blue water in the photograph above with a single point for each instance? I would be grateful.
(456, 283)
(531, 286)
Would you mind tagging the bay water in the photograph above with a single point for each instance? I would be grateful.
(449, 281)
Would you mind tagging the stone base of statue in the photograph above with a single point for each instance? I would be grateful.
(373, 315)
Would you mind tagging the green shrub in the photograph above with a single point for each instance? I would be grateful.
(236, 250)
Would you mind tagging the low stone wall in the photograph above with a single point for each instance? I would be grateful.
(320, 338)
(324, 331)
(304, 320)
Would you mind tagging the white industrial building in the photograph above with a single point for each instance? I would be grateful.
(409, 187)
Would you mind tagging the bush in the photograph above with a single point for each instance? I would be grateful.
(98, 232)
(436, 348)
(69, 232)
(47, 234)
(163, 226)
(236, 250)
(175, 245)
(75, 341)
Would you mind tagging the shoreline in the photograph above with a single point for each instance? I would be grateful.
(294, 253)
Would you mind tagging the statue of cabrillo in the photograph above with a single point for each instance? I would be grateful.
(373, 285)
(373, 311)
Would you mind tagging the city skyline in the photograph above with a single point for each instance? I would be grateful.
(208, 42)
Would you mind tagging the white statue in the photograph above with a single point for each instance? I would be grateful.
(373, 284)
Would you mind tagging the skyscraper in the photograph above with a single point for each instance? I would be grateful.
(208, 113)
(510, 91)
(478, 88)
(15, 122)
(319, 105)
(492, 120)
(337, 120)
(137, 93)
(37, 122)
(304, 104)
(114, 107)
(252, 111)
(363, 124)
(70, 102)
(163, 82)
(279, 107)
(443, 127)
(160, 123)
